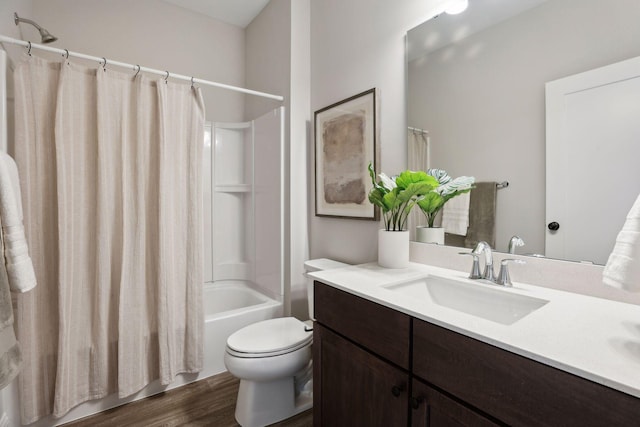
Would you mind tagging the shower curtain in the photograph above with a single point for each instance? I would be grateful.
(418, 159)
(111, 167)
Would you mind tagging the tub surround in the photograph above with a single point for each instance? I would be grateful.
(593, 338)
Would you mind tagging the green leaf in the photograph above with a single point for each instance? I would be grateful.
(372, 174)
(408, 177)
(376, 197)
(431, 202)
(415, 190)
(391, 200)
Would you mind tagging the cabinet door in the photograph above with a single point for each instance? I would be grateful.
(379, 329)
(433, 409)
(513, 388)
(352, 387)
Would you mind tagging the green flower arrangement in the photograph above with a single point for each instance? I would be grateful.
(397, 195)
(447, 189)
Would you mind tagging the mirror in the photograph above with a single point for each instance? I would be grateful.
(476, 83)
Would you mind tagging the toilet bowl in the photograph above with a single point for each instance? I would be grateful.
(272, 359)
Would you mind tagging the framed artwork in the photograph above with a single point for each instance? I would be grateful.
(345, 138)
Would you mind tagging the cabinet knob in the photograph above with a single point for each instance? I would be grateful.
(415, 402)
(397, 390)
(553, 226)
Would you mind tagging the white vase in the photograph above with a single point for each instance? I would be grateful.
(393, 249)
(430, 235)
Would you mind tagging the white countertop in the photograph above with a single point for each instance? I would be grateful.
(590, 337)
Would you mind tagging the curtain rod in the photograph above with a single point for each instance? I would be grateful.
(417, 130)
(104, 62)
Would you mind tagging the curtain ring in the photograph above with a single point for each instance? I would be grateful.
(29, 48)
(137, 72)
(166, 77)
(104, 66)
(192, 81)
(66, 54)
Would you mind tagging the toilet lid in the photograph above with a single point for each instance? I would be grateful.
(270, 336)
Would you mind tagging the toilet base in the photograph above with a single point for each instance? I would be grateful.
(263, 403)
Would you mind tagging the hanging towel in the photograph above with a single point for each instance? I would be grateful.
(623, 266)
(455, 215)
(482, 215)
(17, 261)
(10, 354)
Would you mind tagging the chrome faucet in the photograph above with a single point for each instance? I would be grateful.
(503, 278)
(514, 243)
(481, 247)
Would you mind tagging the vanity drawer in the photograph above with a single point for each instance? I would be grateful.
(512, 388)
(381, 330)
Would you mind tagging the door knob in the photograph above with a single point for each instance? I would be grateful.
(397, 390)
(553, 226)
(415, 402)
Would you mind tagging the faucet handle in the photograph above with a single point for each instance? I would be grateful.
(475, 268)
(514, 242)
(504, 278)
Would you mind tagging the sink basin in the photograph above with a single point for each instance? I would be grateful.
(476, 299)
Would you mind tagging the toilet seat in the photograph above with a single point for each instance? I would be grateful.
(269, 338)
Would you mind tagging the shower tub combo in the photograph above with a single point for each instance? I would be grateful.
(244, 241)
(243, 250)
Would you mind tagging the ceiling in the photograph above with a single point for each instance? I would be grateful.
(236, 12)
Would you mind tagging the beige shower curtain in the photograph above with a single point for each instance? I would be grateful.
(111, 170)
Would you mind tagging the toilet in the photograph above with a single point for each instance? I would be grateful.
(272, 359)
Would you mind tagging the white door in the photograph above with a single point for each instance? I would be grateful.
(592, 159)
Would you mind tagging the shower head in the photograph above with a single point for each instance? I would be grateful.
(44, 34)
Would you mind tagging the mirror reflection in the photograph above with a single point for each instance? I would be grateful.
(476, 87)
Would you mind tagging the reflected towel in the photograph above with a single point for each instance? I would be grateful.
(482, 215)
(455, 215)
(623, 266)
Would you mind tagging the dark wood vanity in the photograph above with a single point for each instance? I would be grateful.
(375, 366)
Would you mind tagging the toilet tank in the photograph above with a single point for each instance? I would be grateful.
(319, 264)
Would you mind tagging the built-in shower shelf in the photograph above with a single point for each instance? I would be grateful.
(233, 188)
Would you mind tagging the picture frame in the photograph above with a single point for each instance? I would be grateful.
(345, 143)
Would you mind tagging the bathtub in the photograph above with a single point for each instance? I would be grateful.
(228, 306)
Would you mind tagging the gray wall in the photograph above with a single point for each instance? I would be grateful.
(155, 34)
(357, 45)
(482, 100)
(277, 61)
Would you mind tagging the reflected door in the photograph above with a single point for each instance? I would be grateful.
(592, 158)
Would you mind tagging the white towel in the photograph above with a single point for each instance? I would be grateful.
(17, 261)
(455, 215)
(623, 267)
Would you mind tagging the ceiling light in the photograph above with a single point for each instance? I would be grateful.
(457, 6)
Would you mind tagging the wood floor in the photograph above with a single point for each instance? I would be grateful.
(209, 402)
